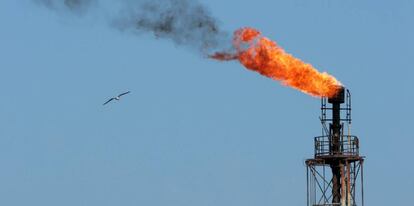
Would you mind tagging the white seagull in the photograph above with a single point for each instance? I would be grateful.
(117, 97)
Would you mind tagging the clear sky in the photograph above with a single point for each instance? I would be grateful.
(196, 132)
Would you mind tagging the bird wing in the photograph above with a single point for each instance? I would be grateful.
(124, 93)
(109, 100)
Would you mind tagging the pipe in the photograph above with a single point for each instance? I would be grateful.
(335, 129)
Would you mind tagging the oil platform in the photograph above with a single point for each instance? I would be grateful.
(335, 174)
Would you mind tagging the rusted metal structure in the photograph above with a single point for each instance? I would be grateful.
(335, 174)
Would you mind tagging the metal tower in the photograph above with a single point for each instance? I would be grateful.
(333, 173)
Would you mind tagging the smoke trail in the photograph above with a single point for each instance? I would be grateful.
(185, 22)
(74, 6)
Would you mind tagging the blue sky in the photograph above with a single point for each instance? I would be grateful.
(195, 131)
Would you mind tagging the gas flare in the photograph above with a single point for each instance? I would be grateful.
(264, 56)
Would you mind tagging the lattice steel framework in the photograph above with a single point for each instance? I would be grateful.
(335, 174)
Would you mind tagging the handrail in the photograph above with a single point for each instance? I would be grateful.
(349, 146)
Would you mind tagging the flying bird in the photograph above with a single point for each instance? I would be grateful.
(117, 97)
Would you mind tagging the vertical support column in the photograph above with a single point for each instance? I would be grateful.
(343, 184)
(307, 184)
(362, 180)
(348, 186)
(336, 183)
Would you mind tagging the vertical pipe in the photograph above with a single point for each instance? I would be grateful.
(343, 188)
(335, 165)
(307, 184)
(335, 128)
(361, 162)
(314, 184)
(354, 177)
(348, 174)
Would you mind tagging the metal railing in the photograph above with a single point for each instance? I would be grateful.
(331, 204)
(348, 146)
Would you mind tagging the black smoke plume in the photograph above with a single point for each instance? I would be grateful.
(186, 22)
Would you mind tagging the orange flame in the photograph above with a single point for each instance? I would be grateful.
(262, 55)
